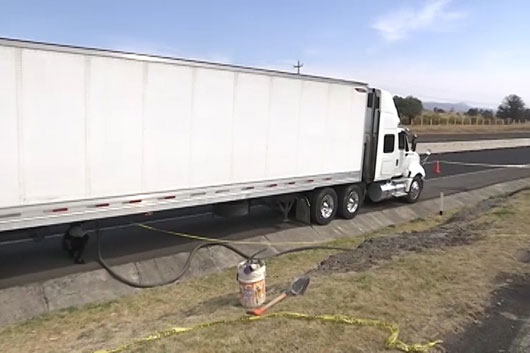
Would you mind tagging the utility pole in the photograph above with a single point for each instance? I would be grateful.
(298, 66)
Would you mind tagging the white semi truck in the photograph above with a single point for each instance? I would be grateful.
(87, 134)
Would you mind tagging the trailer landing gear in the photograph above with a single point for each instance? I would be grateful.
(285, 204)
(299, 202)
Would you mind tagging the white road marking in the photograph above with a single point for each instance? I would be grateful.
(482, 164)
(477, 145)
(457, 175)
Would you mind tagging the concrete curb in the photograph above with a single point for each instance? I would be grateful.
(24, 302)
(460, 146)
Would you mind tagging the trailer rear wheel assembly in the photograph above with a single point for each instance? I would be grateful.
(350, 201)
(324, 205)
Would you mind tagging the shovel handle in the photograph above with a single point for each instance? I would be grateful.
(259, 311)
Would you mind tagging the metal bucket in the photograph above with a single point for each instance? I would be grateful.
(251, 278)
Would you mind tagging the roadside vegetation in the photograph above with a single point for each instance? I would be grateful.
(460, 128)
(432, 277)
(511, 111)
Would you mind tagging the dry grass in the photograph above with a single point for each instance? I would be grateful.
(429, 294)
(468, 129)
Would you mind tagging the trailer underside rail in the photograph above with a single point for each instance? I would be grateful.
(76, 210)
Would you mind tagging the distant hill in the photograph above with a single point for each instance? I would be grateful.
(457, 107)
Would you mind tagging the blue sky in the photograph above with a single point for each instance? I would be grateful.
(444, 50)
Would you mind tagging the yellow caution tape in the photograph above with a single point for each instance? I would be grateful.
(392, 342)
(226, 241)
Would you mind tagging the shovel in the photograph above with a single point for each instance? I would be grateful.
(297, 287)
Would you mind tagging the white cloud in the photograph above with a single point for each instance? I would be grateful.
(433, 15)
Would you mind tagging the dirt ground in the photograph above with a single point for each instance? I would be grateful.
(369, 253)
(505, 325)
(439, 278)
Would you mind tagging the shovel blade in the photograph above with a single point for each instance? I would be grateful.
(299, 286)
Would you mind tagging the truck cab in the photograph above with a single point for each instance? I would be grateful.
(396, 170)
(398, 157)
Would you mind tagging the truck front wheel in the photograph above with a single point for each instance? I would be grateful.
(350, 201)
(415, 190)
(323, 205)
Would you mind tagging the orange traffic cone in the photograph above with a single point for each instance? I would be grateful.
(437, 167)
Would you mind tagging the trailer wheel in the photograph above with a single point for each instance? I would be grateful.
(323, 205)
(350, 201)
(415, 190)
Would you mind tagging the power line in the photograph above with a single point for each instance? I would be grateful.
(298, 66)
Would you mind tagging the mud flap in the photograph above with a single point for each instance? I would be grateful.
(302, 210)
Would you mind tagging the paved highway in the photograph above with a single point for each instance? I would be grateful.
(426, 137)
(28, 261)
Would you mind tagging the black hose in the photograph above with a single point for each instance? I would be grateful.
(186, 266)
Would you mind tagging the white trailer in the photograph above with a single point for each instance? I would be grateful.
(88, 134)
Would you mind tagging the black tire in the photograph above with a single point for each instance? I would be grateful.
(415, 192)
(324, 206)
(350, 201)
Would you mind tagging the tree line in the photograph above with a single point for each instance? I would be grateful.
(511, 107)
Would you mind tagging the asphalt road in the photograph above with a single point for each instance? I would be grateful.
(29, 261)
(426, 137)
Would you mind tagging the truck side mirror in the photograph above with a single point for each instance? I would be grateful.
(427, 154)
(414, 142)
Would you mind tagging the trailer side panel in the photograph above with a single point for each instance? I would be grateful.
(81, 127)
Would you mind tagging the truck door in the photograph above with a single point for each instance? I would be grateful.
(390, 165)
(403, 150)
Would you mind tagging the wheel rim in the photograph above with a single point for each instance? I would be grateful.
(353, 202)
(415, 189)
(327, 206)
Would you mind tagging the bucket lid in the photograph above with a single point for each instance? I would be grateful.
(249, 269)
